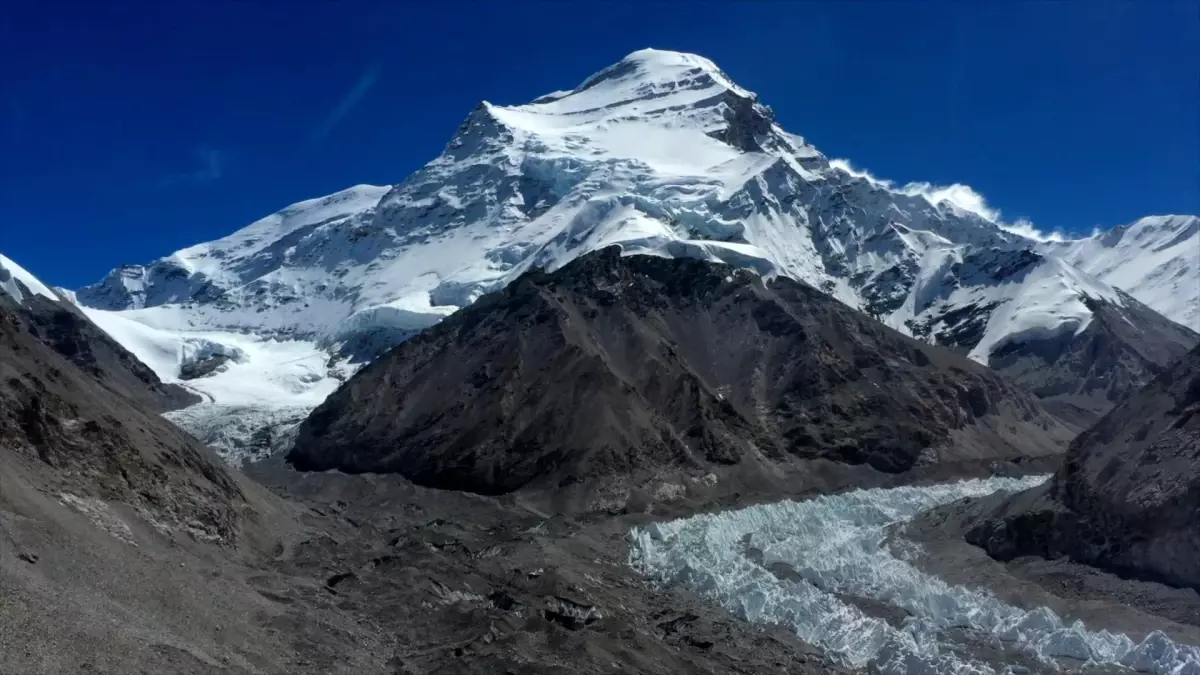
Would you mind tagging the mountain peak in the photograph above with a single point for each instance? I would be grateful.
(658, 65)
(659, 153)
(668, 88)
(1153, 258)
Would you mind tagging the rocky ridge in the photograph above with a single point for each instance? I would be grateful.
(616, 367)
(1125, 499)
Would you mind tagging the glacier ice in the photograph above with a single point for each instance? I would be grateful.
(836, 545)
(254, 402)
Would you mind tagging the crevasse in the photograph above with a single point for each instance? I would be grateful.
(836, 545)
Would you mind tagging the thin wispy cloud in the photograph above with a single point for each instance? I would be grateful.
(209, 167)
(347, 103)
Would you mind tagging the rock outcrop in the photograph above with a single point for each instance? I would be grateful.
(62, 327)
(1127, 498)
(1080, 377)
(615, 366)
(83, 410)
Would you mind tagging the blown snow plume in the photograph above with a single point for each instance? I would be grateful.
(660, 153)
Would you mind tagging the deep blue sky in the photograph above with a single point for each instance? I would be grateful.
(130, 130)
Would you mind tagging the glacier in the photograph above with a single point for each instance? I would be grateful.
(253, 402)
(838, 545)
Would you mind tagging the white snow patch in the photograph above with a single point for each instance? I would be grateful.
(11, 272)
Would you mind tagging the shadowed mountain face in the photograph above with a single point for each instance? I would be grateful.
(63, 328)
(84, 408)
(1079, 377)
(120, 534)
(1127, 495)
(619, 365)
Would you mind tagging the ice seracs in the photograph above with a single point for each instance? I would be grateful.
(836, 546)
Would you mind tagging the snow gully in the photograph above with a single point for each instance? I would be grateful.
(835, 545)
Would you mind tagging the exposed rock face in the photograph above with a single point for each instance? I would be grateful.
(1080, 367)
(616, 365)
(1128, 495)
(63, 328)
(209, 358)
(95, 440)
(749, 122)
(1081, 377)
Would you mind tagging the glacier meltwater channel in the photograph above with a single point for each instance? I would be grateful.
(837, 546)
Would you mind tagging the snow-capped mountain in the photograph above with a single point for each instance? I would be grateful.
(663, 154)
(1155, 259)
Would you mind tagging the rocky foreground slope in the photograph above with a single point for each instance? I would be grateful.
(85, 407)
(618, 367)
(125, 546)
(102, 501)
(128, 547)
(1127, 498)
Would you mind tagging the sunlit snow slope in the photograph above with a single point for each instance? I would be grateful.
(1155, 259)
(834, 546)
(11, 273)
(661, 153)
(258, 388)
